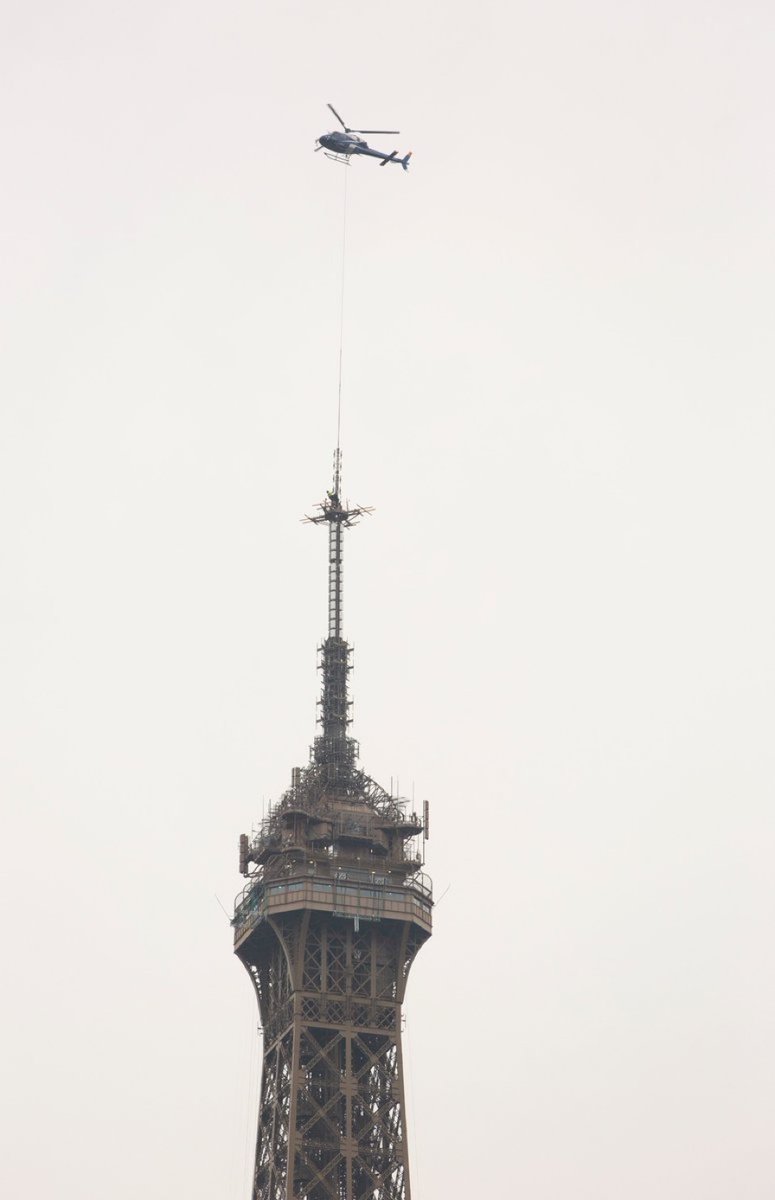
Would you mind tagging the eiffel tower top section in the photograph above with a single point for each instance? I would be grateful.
(334, 817)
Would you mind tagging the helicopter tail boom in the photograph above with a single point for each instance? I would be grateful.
(394, 158)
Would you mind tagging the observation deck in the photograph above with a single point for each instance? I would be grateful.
(355, 894)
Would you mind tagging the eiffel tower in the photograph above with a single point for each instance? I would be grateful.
(333, 913)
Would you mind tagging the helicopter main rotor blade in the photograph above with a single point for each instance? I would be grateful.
(374, 131)
(339, 119)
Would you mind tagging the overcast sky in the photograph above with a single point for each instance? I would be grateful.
(558, 395)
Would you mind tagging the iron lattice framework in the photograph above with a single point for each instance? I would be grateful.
(333, 913)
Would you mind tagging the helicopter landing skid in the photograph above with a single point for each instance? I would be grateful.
(344, 159)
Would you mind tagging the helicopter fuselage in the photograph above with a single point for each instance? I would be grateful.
(345, 144)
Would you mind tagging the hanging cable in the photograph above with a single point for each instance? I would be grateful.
(341, 312)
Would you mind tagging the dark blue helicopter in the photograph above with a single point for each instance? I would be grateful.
(340, 146)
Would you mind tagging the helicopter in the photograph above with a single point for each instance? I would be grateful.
(340, 146)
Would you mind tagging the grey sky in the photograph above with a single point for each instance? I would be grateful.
(558, 393)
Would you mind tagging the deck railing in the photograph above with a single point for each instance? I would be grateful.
(362, 895)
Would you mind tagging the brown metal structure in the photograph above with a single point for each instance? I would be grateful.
(335, 908)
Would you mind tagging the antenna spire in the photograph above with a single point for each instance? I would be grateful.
(334, 747)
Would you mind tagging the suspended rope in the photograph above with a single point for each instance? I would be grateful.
(341, 313)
